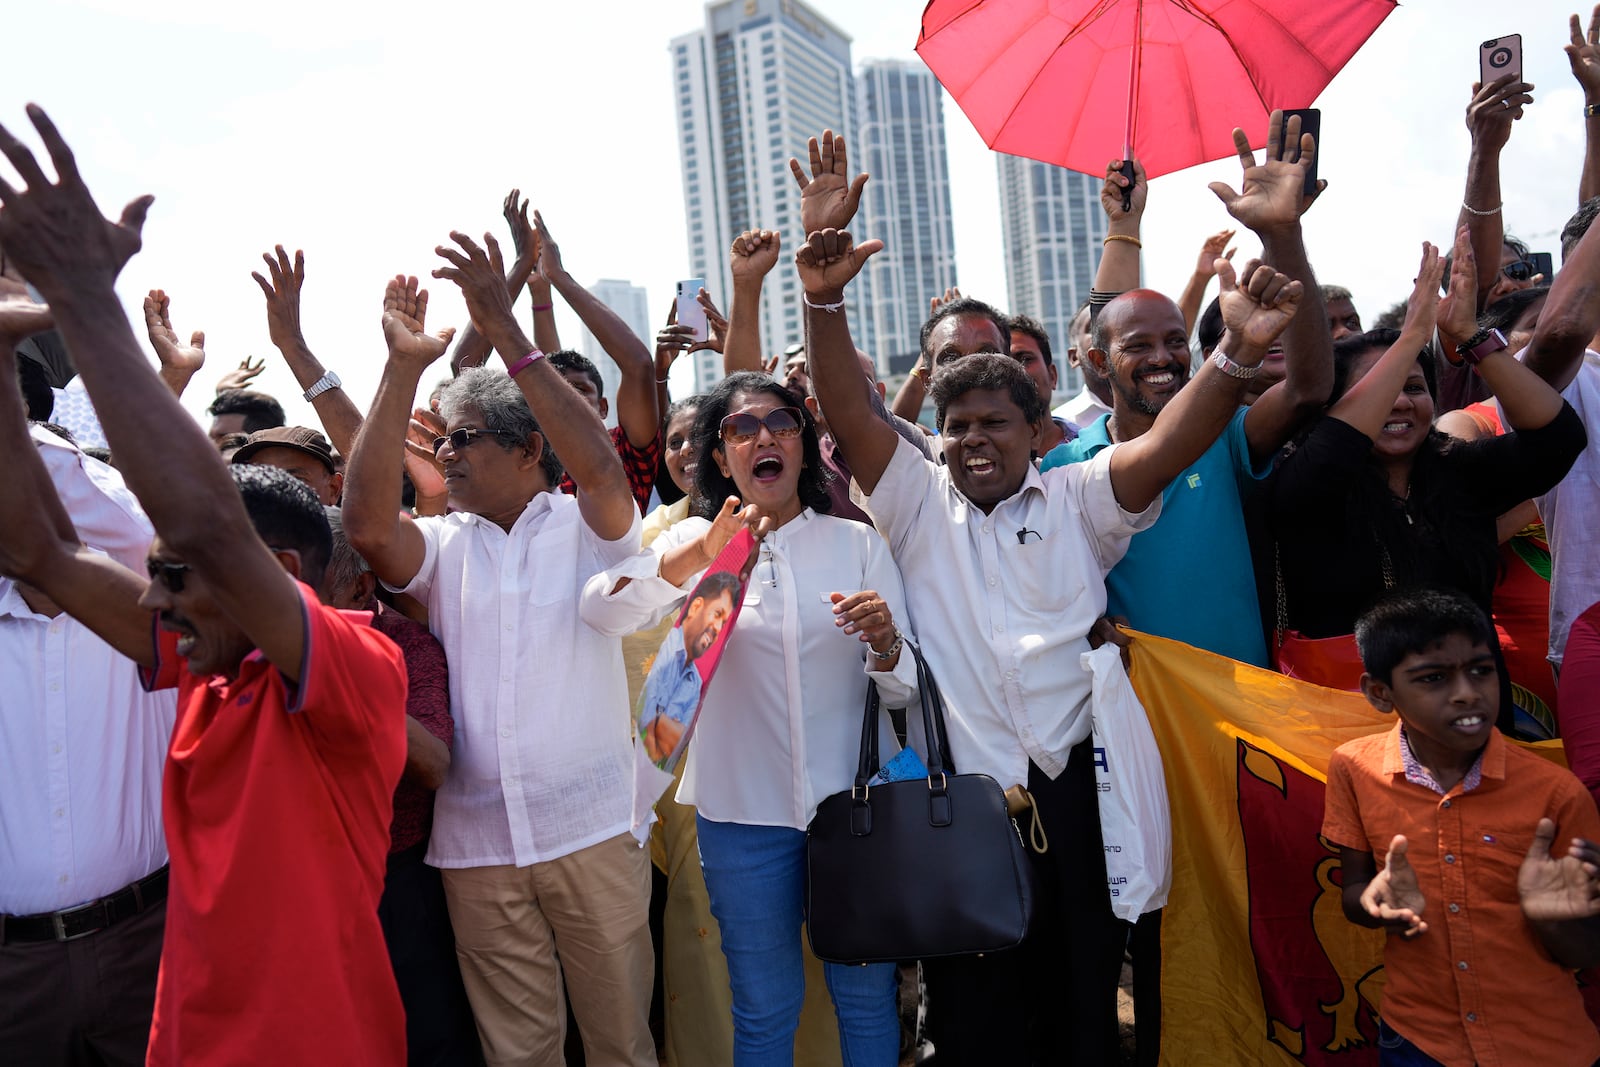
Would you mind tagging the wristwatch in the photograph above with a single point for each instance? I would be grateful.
(322, 385)
(1232, 369)
(894, 649)
(1483, 343)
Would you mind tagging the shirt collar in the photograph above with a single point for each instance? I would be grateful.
(1491, 762)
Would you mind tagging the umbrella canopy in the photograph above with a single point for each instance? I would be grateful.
(1073, 82)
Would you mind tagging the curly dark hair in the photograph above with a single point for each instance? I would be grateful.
(985, 370)
(712, 487)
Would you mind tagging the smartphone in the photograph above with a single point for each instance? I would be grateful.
(1543, 263)
(1310, 122)
(690, 313)
(1499, 57)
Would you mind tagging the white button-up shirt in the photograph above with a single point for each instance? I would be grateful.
(81, 743)
(542, 763)
(1003, 618)
(780, 728)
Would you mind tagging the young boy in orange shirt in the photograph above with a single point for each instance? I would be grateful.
(1487, 922)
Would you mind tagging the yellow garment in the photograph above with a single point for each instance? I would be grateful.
(1259, 964)
(698, 999)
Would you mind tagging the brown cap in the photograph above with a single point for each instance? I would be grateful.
(300, 438)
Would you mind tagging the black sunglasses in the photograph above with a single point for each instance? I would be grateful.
(780, 422)
(167, 573)
(1520, 271)
(460, 439)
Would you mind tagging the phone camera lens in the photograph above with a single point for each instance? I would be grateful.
(1499, 57)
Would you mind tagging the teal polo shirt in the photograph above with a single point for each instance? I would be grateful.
(1189, 576)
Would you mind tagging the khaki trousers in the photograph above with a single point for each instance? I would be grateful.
(520, 930)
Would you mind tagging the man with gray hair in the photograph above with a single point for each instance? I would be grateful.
(531, 824)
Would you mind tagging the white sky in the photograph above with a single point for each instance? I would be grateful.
(364, 135)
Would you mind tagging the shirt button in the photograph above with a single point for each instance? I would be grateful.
(505, 731)
(55, 687)
(60, 812)
(991, 579)
(1446, 804)
(988, 529)
(62, 879)
(1455, 909)
(1449, 857)
(999, 629)
(1461, 966)
(1472, 1016)
(509, 627)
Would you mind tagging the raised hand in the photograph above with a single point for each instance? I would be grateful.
(422, 462)
(1272, 193)
(1584, 55)
(829, 198)
(20, 317)
(1393, 897)
(480, 273)
(716, 322)
(1494, 107)
(936, 302)
(1211, 250)
(241, 376)
(1556, 890)
(1422, 307)
(184, 359)
(1456, 315)
(1259, 304)
(53, 232)
(754, 254)
(830, 259)
(1116, 182)
(549, 261)
(283, 296)
(405, 314)
(524, 238)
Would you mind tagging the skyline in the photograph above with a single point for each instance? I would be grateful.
(367, 142)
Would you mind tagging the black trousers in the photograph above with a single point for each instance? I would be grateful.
(422, 950)
(1053, 999)
(83, 1003)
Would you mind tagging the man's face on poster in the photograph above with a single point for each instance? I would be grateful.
(704, 621)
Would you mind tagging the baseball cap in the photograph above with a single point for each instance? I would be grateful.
(300, 438)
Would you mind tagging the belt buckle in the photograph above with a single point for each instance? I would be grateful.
(58, 923)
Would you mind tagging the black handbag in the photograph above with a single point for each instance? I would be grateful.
(915, 869)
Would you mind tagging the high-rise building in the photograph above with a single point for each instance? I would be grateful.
(628, 301)
(751, 87)
(1052, 226)
(907, 204)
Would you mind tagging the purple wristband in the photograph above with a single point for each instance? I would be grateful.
(524, 363)
(543, 307)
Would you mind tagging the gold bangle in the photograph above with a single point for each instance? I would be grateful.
(1134, 241)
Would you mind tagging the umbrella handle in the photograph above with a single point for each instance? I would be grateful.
(1126, 169)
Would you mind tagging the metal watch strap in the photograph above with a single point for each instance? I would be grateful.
(1232, 369)
(894, 649)
(328, 381)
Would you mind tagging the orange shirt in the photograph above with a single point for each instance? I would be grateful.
(1478, 986)
(276, 802)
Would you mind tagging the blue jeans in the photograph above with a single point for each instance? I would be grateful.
(755, 877)
(1397, 1051)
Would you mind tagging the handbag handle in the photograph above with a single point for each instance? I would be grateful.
(933, 726)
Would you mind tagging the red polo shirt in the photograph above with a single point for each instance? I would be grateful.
(276, 802)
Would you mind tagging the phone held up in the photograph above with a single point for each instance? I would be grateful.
(1499, 57)
(690, 313)
(1310, 122)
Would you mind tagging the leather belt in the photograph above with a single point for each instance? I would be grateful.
(69, 924)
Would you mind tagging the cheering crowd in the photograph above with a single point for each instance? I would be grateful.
(318, 743)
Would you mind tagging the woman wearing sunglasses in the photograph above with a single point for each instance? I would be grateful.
(780, 728)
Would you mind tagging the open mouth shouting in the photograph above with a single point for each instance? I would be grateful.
(767, 467)
(186, 635)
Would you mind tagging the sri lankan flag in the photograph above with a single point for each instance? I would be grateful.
(1259, 964)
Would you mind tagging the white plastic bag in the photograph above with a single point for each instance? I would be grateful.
(1135, 822)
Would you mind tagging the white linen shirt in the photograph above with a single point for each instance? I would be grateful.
(1571, 513)
(82, 744)
(1002, 622)
(780, 729)
(542, 763)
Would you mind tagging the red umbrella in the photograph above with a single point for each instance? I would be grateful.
(1073, 82)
